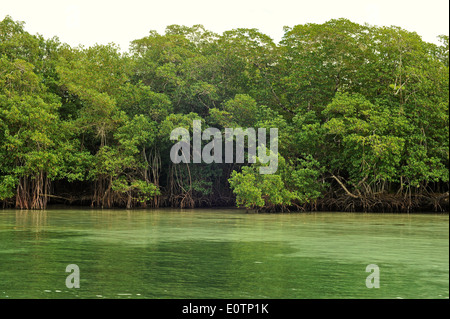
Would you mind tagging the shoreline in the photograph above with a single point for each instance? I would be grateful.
(53, 207)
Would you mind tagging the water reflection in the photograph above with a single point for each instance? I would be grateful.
(34, 219)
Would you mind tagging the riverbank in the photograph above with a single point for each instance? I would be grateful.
(378, 203)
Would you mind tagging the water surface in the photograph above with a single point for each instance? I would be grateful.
(222, 254)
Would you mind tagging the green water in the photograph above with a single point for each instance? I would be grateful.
(222, 254)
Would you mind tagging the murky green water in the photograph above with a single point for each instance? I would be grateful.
(222, 254)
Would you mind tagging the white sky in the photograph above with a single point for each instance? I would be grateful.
(99, 21)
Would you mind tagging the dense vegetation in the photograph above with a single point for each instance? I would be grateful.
(362, 113)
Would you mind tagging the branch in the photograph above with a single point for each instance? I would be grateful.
(344, 188)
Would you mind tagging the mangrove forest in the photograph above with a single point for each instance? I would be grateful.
(362, 114)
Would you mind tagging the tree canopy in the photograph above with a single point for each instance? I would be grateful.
(362, 113)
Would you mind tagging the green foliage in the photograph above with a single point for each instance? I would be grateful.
(143, 190)
(243, 109)
(360, 111)
(294, 183)
(8, 186)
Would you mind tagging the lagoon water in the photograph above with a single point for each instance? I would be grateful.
(222, 253)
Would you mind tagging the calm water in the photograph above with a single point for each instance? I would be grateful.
(222, 254)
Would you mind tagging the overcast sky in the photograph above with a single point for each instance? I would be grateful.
(98, 21)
